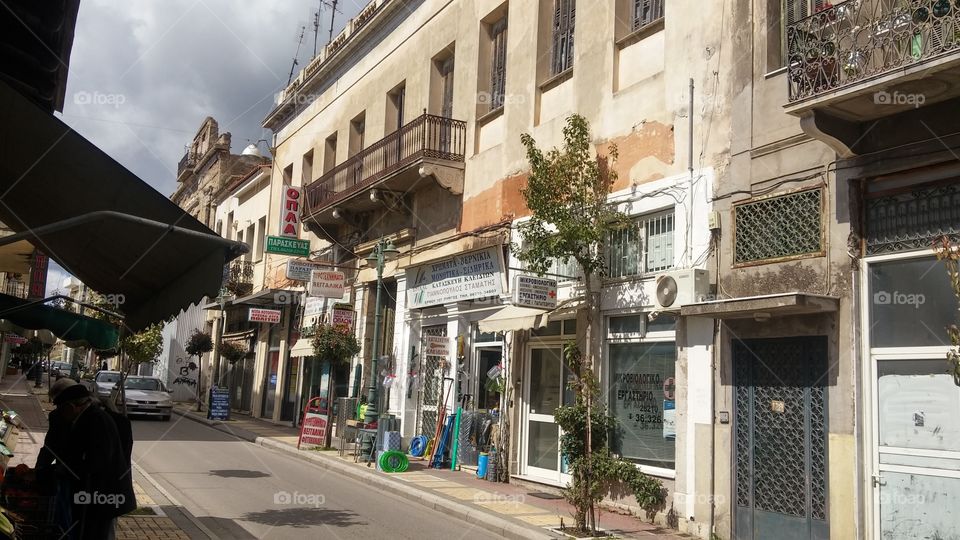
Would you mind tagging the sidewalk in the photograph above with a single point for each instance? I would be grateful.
(512, 508)
(32, 405)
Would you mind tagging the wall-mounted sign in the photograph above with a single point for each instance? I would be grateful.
(327, 283)
(290, 212)
(466, 276)
(260, 315)
(342, 316)
(436, 346)
(38, 275)
(313, 307)
(14, 339)
(299, 269)
(288, 246)
(535, 292)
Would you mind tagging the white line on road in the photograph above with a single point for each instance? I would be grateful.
(173, 501)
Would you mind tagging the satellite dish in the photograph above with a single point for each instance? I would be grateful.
(666, 290)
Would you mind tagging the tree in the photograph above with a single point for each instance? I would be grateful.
(949, 253)
(567, 194)
(337, 345)
(199, 344)
(144, 347)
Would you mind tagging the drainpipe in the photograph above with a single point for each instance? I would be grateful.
(690, 191)
(713, 425)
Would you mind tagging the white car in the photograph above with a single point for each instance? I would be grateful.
(147, 396)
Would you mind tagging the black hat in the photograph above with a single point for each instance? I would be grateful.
(71, 393)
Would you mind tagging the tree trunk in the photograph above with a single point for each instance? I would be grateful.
(587, 369)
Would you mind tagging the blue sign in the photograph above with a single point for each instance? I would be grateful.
(219, 403)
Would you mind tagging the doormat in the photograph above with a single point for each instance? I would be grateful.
(542, 495)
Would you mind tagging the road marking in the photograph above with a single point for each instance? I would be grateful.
(173, 501)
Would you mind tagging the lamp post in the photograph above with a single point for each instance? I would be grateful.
(382, 252)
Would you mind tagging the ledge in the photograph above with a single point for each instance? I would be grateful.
(557, 80)
(640, 33)
(774, 305)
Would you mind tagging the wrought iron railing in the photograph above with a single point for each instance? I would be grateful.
(240, 278)
(15, 288)
(427, 136)
(187, 161)
(857, 40)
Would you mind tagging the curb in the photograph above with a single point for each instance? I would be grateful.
(490, 522)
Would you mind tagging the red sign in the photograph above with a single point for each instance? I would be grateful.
(261, 315)
(343, 316)
(313, 430)
(14, 339)
(38, 275)
(290, 212)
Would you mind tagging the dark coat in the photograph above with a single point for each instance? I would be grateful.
(57, 440)
(99, 463)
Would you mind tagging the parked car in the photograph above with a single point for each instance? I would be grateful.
(147, 396)
(60, 369)
(104, 382)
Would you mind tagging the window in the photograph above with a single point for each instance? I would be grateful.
(564, 15)
(646, 12)
(642, 399)
(645, 245)
(288, 175)
(911, 303)
(357, 133)
(306, 173)
(330, 153)
(780, 15)
(779, 227)
(395, 105)
(261, 236)
(498, 63)
(563, 271)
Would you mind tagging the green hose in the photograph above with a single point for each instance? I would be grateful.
(393, 461)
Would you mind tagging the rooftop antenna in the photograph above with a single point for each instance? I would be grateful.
(333, 13)
(299, 43)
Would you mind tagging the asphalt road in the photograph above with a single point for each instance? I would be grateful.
(240, 490)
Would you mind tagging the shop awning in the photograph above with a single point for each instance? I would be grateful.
(75, 329)
(99, 221)
(513, 318)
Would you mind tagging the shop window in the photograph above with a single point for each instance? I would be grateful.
(777, 228)
(643, 245)
(918, 405)
(626, 326)
(556, 328)
(911, 303)
(642, 399)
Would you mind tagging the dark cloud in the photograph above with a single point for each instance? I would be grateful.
(144, 74)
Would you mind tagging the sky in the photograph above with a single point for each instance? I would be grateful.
(145, 73)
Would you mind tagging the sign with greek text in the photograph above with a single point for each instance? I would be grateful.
(436, 346)
(342, 316)
(219, 403)
(478, 274)
(327, 283)
(290, 212)
(534, 292)
(260, 315)
(299, 269)
(288, 246)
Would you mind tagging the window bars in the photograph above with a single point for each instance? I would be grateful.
(564, 12)
(498, 63)
(644, 246)
(646, 12)
(784, 226)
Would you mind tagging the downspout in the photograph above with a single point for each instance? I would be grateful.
(689, 238)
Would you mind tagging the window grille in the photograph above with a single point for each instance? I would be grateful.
(645, 245)
(498, 64)
(912, 220)
(561, 271)
(646, 12)
(778, 227)
(564, 12)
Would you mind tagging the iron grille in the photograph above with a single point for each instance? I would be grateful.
(432, 369)
(646, 12)
(912, 220)
(851, 41)
(564, 14)
(645, 245)
(498, 64)
(788, 225)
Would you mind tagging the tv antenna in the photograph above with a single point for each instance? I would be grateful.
(332, 5)
(297, 55)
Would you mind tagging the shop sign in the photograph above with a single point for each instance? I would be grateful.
(219, 408)
(327, 283)
(299, 269)
(342, 316)
(669, 419)
(290, 212)
(38, 275)
(436, 346)
(478, 274)
(260, 315)
(534, 292)
(288, 246)
(313, 307)
(14, 339)
(313, 430)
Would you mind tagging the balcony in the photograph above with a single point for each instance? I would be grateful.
(428, 146)
(187, 163)
(239, 278)
(864, 59)
(15, 288)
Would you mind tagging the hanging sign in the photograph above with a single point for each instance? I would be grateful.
(313, 307)
(260, 315)
(290, 212)
(288, 246)
(313, 430)
(342, 316)
(478, 274)
(436, 346)
(38, 275)
(14, 339)
(327, 283)
(299, 269)
(534, 292)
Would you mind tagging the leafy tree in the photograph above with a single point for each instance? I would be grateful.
(145, 346)
(199, 344)
(949, 253)
(337, 345)
(567, 194)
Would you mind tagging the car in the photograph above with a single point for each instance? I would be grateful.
(60, 369)
(147, 396)
(104, 382)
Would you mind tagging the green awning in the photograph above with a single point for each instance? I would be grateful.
(75, 329)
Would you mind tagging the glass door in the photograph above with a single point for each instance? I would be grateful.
(545, 390)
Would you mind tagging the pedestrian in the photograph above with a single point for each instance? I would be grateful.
(103, 365)
(51, 466)
(101, 476)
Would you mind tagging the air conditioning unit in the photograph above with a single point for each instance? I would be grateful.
(681, 287)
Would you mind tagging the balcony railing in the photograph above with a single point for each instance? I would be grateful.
(857, 40)
(186, 162)
(239, 278)
(15, 288)
(427, 136)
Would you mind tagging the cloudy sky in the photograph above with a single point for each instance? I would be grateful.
(145, 73)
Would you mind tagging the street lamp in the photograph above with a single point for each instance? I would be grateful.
(382, 252)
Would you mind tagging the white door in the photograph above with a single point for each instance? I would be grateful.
(544, 391)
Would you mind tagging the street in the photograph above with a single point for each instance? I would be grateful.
(239, 490)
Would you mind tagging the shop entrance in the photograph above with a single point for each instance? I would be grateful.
(544, 390)
(780, 438)
(432, 371)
